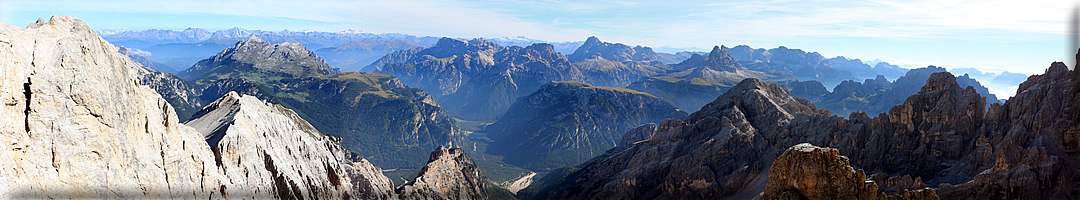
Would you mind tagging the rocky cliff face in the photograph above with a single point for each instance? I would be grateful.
(566, 123)
(265, 150)
(79, 124)
(449, 174)
(805, 171)
(942, 137)
(257, 56)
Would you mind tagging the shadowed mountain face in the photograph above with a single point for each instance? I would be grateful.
(566, 123)
(942, 137)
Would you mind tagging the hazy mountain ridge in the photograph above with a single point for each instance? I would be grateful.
(566, 123)
(477, 79)
(699, 79)
(878, 95)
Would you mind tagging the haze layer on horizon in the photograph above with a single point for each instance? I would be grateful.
(998, 35)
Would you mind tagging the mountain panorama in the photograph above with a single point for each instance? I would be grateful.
(247, 114)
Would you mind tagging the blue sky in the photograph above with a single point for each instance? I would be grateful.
(1022, 36)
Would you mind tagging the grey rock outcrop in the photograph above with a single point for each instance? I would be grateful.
(806, 171)
(449, 174)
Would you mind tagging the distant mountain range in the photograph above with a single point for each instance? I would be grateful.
(264, 116)
(349, 50)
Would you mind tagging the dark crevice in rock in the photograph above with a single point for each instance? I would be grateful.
(332, 174)
(166, 170)
(281, 186)
(26, 95)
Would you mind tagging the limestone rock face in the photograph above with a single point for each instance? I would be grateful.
(805, 171)
(266, 150)
(449, 174)
(77, 123)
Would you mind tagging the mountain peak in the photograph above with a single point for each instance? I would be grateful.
(619, 52)
(450, 42)
(255, 39)
(592, 40)
(285, 59)
(755, 98)
(719, 59)
(719, 52)
(940, 81)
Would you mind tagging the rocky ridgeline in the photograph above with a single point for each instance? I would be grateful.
(943, 137)
(79, 124)
(255, 55)
(266, 150)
